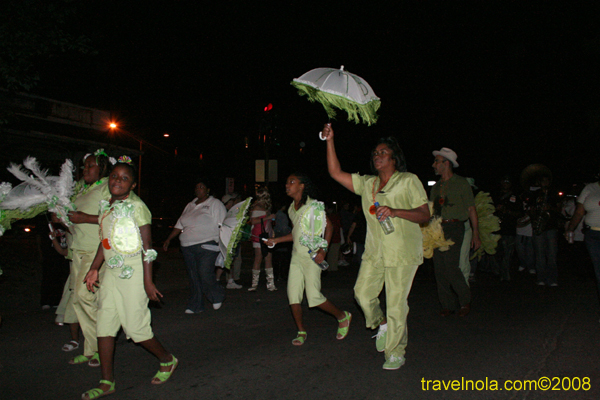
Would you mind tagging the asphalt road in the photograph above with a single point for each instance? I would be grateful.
(516, 331)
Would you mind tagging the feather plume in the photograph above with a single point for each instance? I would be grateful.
(433, 235)
(64, 184)
(40, 188)
(22, 174)
(22, 197)
(32, 164)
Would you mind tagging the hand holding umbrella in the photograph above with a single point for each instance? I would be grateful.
(327, 132)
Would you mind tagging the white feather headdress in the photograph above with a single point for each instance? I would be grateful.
(40, 188)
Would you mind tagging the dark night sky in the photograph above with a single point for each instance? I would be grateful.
(505, 84)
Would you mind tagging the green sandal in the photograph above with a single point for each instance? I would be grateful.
(299, 341)
(97, 392)
(163, 376)
(80, 359)
(343, 332)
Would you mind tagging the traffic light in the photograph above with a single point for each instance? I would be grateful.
(269, 107)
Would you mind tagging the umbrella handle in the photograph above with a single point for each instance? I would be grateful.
(321, 136)
(264, 240)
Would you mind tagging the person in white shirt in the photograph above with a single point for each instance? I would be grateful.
(588, 206)
(198, 230)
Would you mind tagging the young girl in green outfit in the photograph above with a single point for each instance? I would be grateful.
(125, 251)
(310, 225)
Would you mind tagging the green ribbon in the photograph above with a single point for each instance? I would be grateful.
(126, 272)
(116, 261)
(150, 255)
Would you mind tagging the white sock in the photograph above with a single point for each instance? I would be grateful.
(383, 327)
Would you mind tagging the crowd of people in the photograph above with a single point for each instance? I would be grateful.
(110, 250)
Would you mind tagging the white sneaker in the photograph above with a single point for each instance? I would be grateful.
(233, 285)
(216, 306)
(521, 268)
(380, 338)
(188, 311)
(394, 363)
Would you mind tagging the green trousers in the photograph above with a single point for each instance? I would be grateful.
(85, 303)
(398, 281)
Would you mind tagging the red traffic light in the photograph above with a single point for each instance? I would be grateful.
(269, 107)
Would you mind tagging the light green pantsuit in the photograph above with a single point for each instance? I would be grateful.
(123, 302)
(389, 259)
(85, 303)
(304, 274)
(369, 284)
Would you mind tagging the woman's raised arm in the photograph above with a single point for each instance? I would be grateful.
(333, 164)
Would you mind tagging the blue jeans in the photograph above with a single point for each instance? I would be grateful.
(201, 271)
(524, 246)
(592, 242)
(545, 247)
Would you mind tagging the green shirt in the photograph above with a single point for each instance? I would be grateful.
(452, 198)
(302, 232)
(120, 227)
(85, 236)
(404, 246)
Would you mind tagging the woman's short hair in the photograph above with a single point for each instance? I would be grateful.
(397, 153)
(205, 180)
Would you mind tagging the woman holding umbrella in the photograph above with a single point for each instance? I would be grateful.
(198, 228)
(391, 258)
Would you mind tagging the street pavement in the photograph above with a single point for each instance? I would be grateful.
(516, 331)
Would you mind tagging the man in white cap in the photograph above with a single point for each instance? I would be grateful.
(453, 200)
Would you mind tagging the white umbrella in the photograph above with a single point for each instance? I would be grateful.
(338, 88)
(230, 230)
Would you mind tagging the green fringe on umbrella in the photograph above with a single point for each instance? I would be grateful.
(368, 112)
(237, 233)
(488, 223)
(7, 217)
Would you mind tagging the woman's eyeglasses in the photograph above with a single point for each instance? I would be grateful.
(381, 153)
